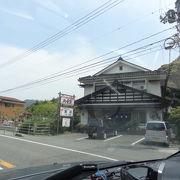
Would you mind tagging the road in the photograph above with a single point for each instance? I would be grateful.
(26, 151)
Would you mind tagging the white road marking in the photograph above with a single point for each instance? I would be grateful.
(112, 138)
(1, 168)
(137, 141)
(62, 148)
(82, 138)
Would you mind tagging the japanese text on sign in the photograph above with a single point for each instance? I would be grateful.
(67, 100)
(66, 122)
(66, 112)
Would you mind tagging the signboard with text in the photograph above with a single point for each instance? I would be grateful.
(67, 100)
(66, 112)
(66, 122)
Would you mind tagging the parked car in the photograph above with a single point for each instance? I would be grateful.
(157, 131)
(99, 129)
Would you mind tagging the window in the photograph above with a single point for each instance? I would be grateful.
(120, 68)
(155, 126)
(9, 105)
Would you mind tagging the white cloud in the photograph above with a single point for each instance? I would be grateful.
(42, 64)
(19, 14)
(52, 6)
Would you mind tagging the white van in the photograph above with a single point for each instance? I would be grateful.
(157, 131)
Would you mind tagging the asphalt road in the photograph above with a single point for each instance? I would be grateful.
(27, 151)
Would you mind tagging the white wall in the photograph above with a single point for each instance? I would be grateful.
(126, 69)
(154, 115)
(84, 117)
(88, 90)
(154, 88)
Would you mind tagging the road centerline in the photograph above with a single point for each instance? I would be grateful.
(134, 143)
(6, 164)
(109, 139)
(59, 147)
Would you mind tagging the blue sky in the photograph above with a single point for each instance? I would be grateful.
(26, 23)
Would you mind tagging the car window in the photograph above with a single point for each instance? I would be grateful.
(155, 126)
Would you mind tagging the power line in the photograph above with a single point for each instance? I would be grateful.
(79, 69)
(77, 24)
(60, 74)
(129, 23)
(92, 68)
(108, 53)
(140, 51)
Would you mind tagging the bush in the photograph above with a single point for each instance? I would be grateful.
(81, 128)
(175, 119)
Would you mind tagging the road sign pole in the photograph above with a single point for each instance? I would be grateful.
(59, 116)
(72, 119)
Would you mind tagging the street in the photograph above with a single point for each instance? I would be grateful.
(26, 151)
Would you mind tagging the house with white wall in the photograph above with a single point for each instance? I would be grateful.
(123, 92)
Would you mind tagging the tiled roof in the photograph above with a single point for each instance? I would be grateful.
(3, 98)
(123, 75)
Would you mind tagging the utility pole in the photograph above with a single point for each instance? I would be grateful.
(171, 16)
(58, 117)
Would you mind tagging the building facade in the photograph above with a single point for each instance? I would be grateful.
(10, 108)
(123, 93)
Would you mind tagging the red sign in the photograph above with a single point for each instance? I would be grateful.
(67, 100)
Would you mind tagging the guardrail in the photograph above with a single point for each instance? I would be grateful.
(8, 130)
(33, 129)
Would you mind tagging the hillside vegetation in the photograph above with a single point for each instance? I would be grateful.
(174, 79)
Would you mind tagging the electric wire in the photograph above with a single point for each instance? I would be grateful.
(77, 24)
(95, 67)
(143, 47)
(82, 68)
(103, 55)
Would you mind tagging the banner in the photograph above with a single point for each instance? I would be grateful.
(67, 100)
(65, 122)
(66, 112)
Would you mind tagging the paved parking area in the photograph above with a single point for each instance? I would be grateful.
(37, 150)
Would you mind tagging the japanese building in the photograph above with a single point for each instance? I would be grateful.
(123, 92)
(10, 108)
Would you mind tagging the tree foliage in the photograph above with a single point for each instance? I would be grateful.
(175, 115)
(175, 119)
(47, 111)
(174, 73)
(44, 109)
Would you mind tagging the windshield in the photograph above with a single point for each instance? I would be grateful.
(155, 126)
(82, 81)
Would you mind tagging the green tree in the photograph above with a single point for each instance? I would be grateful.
(47, 109)
(175, 119)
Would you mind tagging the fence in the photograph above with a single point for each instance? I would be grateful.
(8, 130)
(33, 129)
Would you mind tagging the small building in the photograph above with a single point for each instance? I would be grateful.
(123, 93)
(10, 108)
